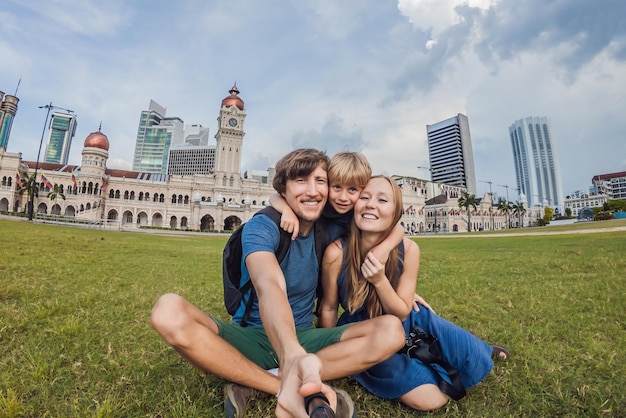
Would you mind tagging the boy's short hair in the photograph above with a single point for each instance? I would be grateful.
(349, 168)
(298, 163)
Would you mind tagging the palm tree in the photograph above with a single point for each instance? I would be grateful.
(519, 210)
(505, 207)
(57, 191)
(30, 186)
(467, 201)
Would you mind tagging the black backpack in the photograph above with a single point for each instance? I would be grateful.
(231, 262)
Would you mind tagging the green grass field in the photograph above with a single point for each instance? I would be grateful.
(75, 339)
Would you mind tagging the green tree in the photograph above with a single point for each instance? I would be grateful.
(57, 191)
(519, 210)
(31, 187)
(548, 212)
(505, 207)
(617, 205)
(568, 213)
(467, 201)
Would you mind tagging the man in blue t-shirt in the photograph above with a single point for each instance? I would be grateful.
(280, 331)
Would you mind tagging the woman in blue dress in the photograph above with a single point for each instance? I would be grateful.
(366, 288)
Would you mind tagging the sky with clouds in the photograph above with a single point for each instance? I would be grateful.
(367, 75)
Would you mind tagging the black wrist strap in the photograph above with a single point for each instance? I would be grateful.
(322, 410)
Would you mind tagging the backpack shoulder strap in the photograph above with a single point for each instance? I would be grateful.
(285, 237)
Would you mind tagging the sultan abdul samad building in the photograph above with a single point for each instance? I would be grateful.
(221, 200)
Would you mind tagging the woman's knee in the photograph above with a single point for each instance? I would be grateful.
(426, 397)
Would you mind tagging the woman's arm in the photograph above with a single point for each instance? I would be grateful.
(398, 302)
(331, 267)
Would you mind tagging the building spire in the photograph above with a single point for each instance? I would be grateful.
(18, 86)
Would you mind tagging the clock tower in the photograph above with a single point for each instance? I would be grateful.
(229, 137)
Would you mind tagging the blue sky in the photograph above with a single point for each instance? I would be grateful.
(368, 75)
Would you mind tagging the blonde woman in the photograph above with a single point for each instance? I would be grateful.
(365, 288)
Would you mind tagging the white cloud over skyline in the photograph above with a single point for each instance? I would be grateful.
(362, 74)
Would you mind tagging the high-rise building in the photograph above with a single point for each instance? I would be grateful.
(612, 184)
(536, 167)
(450, 152)
(8, 109)
(155, 135)
(61, 131)
(187, 159)
(194, 156)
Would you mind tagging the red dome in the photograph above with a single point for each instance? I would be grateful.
(233, 99)
(97, 140)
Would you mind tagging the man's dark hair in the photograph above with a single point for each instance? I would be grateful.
(298, 163)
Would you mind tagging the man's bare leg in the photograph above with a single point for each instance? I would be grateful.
(195, 336)
(362, 345)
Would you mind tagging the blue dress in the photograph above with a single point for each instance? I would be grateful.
(400, 374)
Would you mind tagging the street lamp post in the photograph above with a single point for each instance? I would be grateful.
(491, 203)
(31, 201)
(506, 186)
(434, 197)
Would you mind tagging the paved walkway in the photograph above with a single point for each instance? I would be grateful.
(536, 231)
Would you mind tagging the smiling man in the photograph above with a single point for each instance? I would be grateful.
(280, 331)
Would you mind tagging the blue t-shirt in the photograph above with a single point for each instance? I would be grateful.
(299, 267)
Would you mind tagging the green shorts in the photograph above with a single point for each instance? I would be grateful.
(253, 342)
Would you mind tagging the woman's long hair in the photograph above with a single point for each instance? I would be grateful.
(359, 291)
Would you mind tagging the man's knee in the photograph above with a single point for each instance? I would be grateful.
(387, 331)
(393, 331)
(166, 314)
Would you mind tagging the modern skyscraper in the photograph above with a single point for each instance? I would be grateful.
(8, 109)
(155, 135)
(536, 167)
(61, 131)
(450, 152)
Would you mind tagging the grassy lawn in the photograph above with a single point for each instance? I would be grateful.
(75, 339)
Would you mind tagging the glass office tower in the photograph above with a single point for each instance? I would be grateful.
(60, 134)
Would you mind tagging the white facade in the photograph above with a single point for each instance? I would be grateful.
(579, 201)
(132, 199)
(536, 166)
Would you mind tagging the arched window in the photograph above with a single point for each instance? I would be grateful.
(4, 180)
(180, 199)
(90, 188)
(156, 198)
(111, 194)
(140, 196)
(117, 194)
(173, 199)
(126, 195)
(84, 188)
(186, 200)
(161, 198)
(132, 195)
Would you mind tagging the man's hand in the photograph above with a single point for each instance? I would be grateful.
(300, 377)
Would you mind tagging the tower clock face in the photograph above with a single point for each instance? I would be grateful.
(232, 122)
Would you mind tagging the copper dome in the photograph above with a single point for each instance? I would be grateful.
(233, 99)
(97, 140)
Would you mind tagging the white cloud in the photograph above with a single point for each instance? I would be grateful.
(328, 74)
